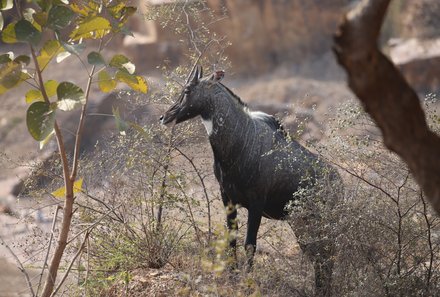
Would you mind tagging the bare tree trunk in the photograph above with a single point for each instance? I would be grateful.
(386, 96)
(61, 246)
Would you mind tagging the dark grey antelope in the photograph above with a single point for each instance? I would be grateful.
(258, 168)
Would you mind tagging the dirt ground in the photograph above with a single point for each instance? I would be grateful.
(13, 283)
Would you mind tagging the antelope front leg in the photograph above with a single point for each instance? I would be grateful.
(253, 224)
(231, 222)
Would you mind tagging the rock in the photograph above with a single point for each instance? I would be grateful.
(263, 34)
(17, 188)
(6, 209)
(419, 62)
(421, 19)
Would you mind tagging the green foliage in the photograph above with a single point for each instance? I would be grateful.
(106, 82)
(136, 82)
(69, 26)
(35, 95)
(70, 96)
(95, 58)
(72, 24)
(59, 17)
(10, 74)
(8, 33)
(6, 4)
(50, 50)
(26, 32)
(122, 62)
(94, 27)
(40, 120)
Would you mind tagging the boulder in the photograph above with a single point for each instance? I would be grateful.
(419, 62)
(421, 19)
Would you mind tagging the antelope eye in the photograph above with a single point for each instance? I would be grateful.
(186, 91)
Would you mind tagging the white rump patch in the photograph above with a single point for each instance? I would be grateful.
(208, 125)
(259, 115)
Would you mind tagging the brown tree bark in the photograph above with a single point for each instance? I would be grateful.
(386, 96)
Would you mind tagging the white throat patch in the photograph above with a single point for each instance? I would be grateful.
(208, 125)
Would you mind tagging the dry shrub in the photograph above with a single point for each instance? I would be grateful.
(387, 236)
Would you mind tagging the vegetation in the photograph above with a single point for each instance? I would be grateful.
(57, 30)
(141, 214)
(385, 231)
(391, 102)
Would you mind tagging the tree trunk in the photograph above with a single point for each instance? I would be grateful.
(386, 96)
(62, 242)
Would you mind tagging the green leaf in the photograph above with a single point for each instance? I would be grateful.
(24, 76)
(40, 120)
(28, 14)
(51, 87)
(10, 74)
(23, 59)
(8, 34)
(33, 96)
(122, 62)
(44, 4)
(80, 9)
(40, 18)
(36, 95)
(106, 82)
(92, 27)
(125, 77)
(6, 4)
(46, 140)
(95, 58)
(26, 32)
(116, 10)
(2, 21)
(61, 192)
(118, 60)
(5, 58)
(59, 17)
(136, 82)
(70, 96)
(48, 52)
(121, 125)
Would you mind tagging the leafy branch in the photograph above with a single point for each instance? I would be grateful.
(71, 24)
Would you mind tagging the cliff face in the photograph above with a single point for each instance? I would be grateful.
(262, 33)
(421, 19)
(269, 33)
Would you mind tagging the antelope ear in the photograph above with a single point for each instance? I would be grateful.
(195, 77)
(200, 72)
(217, 75)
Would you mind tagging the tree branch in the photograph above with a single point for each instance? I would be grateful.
(387, 97)
(54, 220)
(82, 118)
